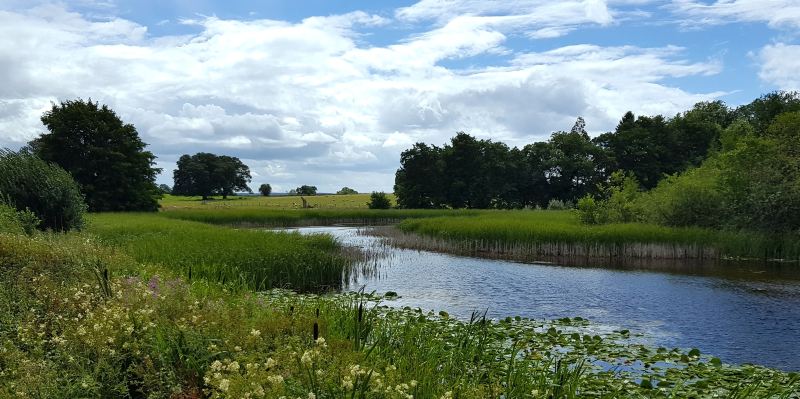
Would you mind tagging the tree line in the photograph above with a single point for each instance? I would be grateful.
(473, 173)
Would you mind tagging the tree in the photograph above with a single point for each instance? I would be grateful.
(265, 190)
(346, 191)
(207, 174)
(379, 200)
(305, 190)
(418, 181)
(165, 189)
(104, 155)
(30, 185)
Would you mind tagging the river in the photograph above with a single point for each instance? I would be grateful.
(741, 316)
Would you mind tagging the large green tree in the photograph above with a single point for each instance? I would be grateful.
(104, 155)
(207, 174)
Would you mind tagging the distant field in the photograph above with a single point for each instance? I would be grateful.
(328, 201)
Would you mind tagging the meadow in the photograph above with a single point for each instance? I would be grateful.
(325, 201)
(81, 318)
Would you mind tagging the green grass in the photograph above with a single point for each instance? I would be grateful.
(330, 201)
(283, 218)
(258, 259)
(154, 334)
(544, 227)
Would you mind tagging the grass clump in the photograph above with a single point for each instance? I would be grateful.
(256, 259)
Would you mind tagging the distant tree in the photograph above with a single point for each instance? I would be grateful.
(292, 192)
(104, 155)
(379, 200)
(346, 190)
(207, 174)
(165, 189)
(306, 190)
(265, 190)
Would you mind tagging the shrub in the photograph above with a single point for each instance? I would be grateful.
(16, 222)
(32, 186)
(689, 199)
(379, 200)
(559, 205)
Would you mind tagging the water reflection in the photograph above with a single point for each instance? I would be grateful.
(742, 313)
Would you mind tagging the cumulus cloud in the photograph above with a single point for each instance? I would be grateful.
(312, 102)
(776, 13)
(780, 64)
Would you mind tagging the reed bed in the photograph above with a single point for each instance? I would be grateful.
(257, 259)
(525, 235)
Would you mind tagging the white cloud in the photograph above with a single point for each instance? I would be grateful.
(535, 18)
(780, 64)
(783, 14)
(311, 103)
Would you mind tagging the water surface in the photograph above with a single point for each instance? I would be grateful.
(746, 315)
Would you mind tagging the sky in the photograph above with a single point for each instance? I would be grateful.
(329, 93)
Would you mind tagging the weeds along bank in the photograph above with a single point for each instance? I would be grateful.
(527, 234)
(79, 318)
(253, 258)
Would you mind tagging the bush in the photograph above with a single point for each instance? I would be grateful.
(35, 188)
(12, 221)
(379, 200)
(689, 199)
(559, 205)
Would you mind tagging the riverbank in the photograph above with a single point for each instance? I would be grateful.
(531, 235)
(525, 235)
(82, 317)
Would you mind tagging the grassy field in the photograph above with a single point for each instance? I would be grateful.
(330, 201)
(257, 259)
(536, 231)
(246, 216)
(141, 330)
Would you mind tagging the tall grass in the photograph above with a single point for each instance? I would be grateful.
(255, 217)
(257, 259)
(560, 233)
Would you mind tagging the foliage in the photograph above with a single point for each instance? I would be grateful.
(379, 200)
(558, 205)
(165, 189)
(346, 191)
(615, 203)
(33, 186)
(265, 190)
(17, 222)
(158, 335)
(208, 174)
(256, 259)
(104, 155)
(304, 190)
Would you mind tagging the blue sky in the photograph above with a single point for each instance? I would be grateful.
(329, 92)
